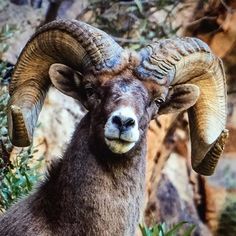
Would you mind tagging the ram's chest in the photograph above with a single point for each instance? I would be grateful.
(109, 207)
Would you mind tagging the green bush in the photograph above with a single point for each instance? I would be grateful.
(6, 32)
(162, 230)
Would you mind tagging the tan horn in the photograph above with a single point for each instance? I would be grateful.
(189, 60)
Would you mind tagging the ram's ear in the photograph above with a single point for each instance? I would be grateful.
(180, 98)
(67, 80)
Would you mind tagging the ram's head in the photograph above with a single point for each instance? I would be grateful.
(122, 89)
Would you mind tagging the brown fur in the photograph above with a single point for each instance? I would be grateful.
(90, 191)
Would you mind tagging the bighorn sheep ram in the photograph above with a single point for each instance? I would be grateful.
(97, 188)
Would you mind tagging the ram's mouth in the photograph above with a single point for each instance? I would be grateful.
(119, 140)
(119, 146)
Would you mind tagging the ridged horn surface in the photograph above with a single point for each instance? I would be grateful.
(189, 60)
(73, 43)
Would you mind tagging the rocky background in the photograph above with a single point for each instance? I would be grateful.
(174, 191)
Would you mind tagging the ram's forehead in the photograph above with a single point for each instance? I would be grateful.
(127, 81)
(104, 78)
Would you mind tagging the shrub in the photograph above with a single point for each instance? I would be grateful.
(161, 230)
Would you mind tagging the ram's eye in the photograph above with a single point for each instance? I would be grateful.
(89, 90)
(115, 96)
(159, 101)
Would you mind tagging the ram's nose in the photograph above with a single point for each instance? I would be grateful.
(123, 123)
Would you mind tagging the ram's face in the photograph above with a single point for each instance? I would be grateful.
(121, 105)
(125, 104)
(125, 110)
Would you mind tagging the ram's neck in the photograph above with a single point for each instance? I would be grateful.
(96, 188)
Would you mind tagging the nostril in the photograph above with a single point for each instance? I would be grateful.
(123, 123)
(129, 122)
(117, 120)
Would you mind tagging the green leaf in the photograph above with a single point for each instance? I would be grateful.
(161, 230)
(139, 5)
(145, 231)
(176, 228)
(155, 231)
(189, 231)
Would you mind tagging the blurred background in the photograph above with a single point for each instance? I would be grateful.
(174, 192)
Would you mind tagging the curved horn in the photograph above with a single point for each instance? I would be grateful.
(189, 60)
(73, 43)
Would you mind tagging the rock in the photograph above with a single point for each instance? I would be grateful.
(57, 121)
(173, 198)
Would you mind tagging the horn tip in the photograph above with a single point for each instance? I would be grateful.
(18, 131)
(207, 171)
(208, 164)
